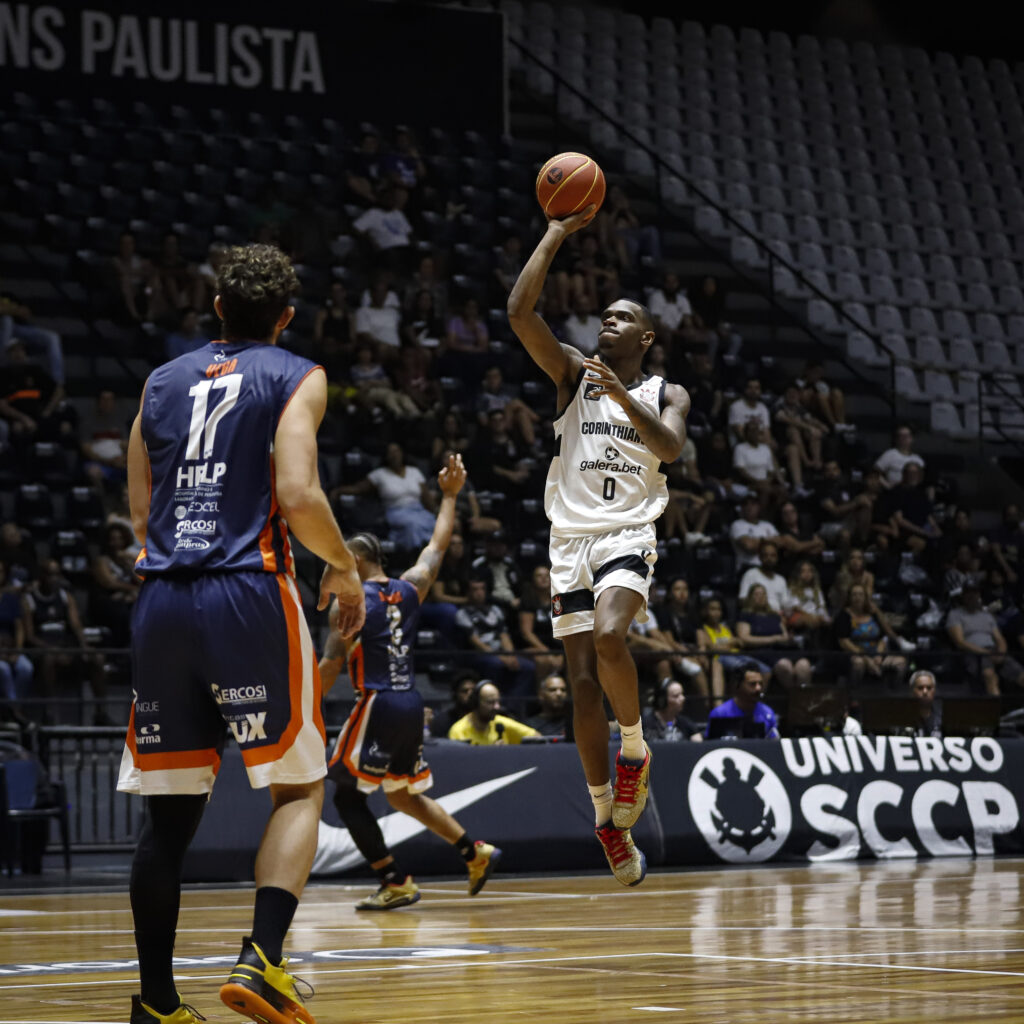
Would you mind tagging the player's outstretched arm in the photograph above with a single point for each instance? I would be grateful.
(305, 506)
(555, 359)
(423, 574)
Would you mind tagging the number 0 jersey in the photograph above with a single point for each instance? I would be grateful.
(208, 423)
(381, 657)
(603, 476)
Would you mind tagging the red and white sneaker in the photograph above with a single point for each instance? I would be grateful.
(629, 796)
(628, 864)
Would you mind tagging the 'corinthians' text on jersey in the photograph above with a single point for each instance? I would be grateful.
(603, 476)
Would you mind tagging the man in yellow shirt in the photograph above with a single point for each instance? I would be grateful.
(483, 726)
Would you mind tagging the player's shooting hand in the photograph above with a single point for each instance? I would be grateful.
(606, 380)
(346, 586)
(452, 477)
(574, 221)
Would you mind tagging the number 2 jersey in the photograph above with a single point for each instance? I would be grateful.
(208, 422)
(603, 476)
(381, 656)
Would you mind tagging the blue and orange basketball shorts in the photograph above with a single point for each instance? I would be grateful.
(381, 744)
(217, 653)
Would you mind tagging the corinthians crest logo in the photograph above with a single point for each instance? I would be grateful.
(740, 805)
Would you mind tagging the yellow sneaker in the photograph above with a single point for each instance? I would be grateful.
(144, 1014)
(265, 992)
(391, 897)
(628, 864)
(481, 866)
(629, 796)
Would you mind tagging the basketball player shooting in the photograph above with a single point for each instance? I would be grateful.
(603, 493)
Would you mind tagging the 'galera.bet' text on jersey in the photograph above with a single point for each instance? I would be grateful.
(208, 422)
(603, 476)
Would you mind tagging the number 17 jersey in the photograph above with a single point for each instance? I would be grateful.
(208, 422)
(603, 476)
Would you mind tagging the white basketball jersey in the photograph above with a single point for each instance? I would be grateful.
(603, 476)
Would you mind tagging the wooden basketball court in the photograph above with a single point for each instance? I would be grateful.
(881, 942)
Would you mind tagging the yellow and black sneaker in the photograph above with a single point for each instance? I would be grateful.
(481, 866)
(265, 992)
(391, 897)
(143, 1014)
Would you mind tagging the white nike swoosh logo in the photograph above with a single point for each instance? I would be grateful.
(335, 850)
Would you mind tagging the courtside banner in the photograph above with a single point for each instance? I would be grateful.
(357, 61)
(758, 801)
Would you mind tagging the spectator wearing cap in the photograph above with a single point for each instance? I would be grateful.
(974, 630)
(747, 532)
(483, 726)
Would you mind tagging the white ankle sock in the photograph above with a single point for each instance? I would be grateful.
(632, 741)
(602, 798)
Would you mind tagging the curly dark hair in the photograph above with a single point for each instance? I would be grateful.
(255, 283)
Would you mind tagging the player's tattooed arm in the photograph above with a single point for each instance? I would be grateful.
(422, 575)
(335, 656)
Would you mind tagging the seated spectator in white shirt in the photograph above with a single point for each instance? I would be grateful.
(747, 533)
(749, 407)
(671, 310)
(755, 465)
(892, 461)
(386, 226)
(766, 576)
(583, 327)
(377, 322)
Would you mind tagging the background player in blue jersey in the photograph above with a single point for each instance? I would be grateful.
(222, 462)
(381, 744)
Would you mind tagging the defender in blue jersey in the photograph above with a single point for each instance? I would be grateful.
(381, 744)
(222, 461)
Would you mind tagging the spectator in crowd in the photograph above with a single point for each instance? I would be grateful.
(414, 382)
(422, 326)
(747, 532)
(452, 583)
(366, 167)
(622, 234)
(31, 401)
(375, 391)
(892, 461)
(822, 399)
(43, 345)
(766, 575)
(188, 336)
(508, 263)
(485, 631)
(1007, 545)
(176, 278)
(691, 500)
(134, 283)
(427, 278)
(334, 324)
(863, 631)
(801, 438)
(53, 628)
(673, 317)
(717, 641)
(120, 512)
(853, 572)
(103, 438)
(496, 460)
(748, 703)
(387, 229)
(975, 631)
(707, 300)
(535, 623)
(553, 718)
(499, 568)
(659, 649)
(793, 540)
(115, 585)
(594, 277)
(583, 326)
(207, 272)
(377, 321)
(912, 522)
(403, 491)
(922, 689)
(439, 721)
(957, 530)
(804, 605)
(469, 517)
(665, 720)
(465, 351)
(964, 569)
(402, 164)
(496, 394)
(675, 618)
(755, 467)
(763, 634)
(16, 670)
(483, 726)
(18, 553)
(452, 435)
(706, 399)
(845, 514)
(719, 475)
(998, 598)
(749, 407)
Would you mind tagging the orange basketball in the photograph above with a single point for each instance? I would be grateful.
(568, 183)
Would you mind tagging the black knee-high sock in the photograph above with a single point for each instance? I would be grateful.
(155, 891)
(271, 919)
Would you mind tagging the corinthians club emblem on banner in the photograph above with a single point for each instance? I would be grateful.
(740, 805)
